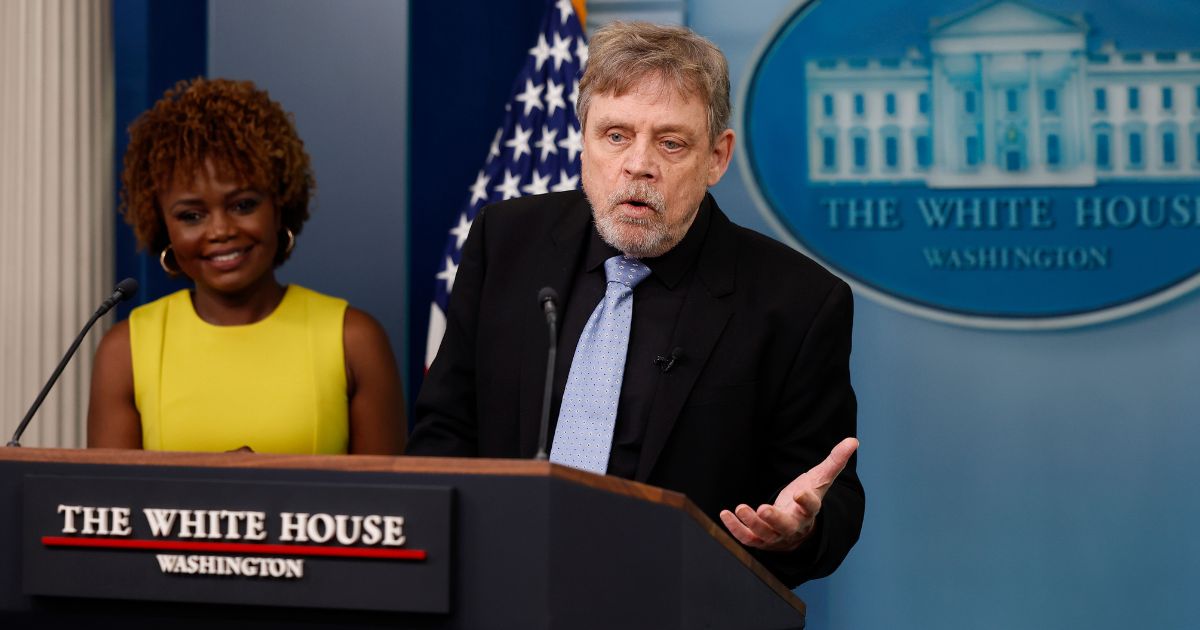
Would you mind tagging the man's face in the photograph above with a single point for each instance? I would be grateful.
(647, 162)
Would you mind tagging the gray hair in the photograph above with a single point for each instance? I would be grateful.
(622, 53)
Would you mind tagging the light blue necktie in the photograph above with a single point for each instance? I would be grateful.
(588, 413)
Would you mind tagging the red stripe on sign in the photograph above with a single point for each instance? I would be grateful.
(215, 547)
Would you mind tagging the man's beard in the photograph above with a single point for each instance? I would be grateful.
(644, 237)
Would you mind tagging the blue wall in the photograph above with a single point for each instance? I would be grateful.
(462, 70)
(155, 45)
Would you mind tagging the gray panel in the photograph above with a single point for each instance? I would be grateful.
(601, 12)
(342, 69)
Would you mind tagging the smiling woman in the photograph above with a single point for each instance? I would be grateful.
(217, 182)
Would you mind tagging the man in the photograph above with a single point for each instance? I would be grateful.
(694, 355)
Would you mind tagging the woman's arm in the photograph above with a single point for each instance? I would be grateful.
(377, 423)
(113, 419)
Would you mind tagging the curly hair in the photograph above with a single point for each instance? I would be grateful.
(247, 136)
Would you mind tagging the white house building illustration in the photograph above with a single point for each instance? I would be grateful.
(1008, 96)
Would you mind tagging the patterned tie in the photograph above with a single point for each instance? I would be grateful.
(588, 414)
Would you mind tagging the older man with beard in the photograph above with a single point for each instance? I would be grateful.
(694, 354)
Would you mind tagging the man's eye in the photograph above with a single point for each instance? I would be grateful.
(615, 137)
(671, 145)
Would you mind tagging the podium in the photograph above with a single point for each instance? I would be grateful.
(145, 539)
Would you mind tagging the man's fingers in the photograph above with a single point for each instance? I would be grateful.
(779, 520)
(759, 528)
(825, 472)
(739, 530)
(808, 503)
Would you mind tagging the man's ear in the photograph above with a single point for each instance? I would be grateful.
(722, 151)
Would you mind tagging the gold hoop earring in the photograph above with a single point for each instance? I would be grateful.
(291, 241)
(162, 261)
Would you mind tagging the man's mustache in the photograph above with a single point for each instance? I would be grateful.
(638, 193)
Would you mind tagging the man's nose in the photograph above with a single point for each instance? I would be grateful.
(640, 160)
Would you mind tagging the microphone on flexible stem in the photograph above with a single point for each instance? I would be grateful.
(548, 300)
(666, 363)
(124, 290)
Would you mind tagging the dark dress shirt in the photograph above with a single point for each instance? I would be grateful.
(658, 298)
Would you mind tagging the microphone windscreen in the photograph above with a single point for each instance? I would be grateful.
(127, 288)
(547, 294)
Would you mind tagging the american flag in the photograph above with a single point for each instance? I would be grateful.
(535, 151)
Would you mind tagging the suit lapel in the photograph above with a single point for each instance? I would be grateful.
(555, 268)
(706, 310)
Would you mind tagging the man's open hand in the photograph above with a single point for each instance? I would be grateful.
(784, 525)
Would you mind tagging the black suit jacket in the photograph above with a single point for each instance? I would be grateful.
(762, 394)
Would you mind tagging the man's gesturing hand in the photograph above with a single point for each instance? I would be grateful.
(784, 525)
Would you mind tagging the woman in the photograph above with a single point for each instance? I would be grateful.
(217, 181)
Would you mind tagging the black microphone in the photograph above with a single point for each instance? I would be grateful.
(666, 363)
(124, 290)
(548, 300)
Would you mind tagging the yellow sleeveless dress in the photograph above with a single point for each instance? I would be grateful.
(277, 385)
